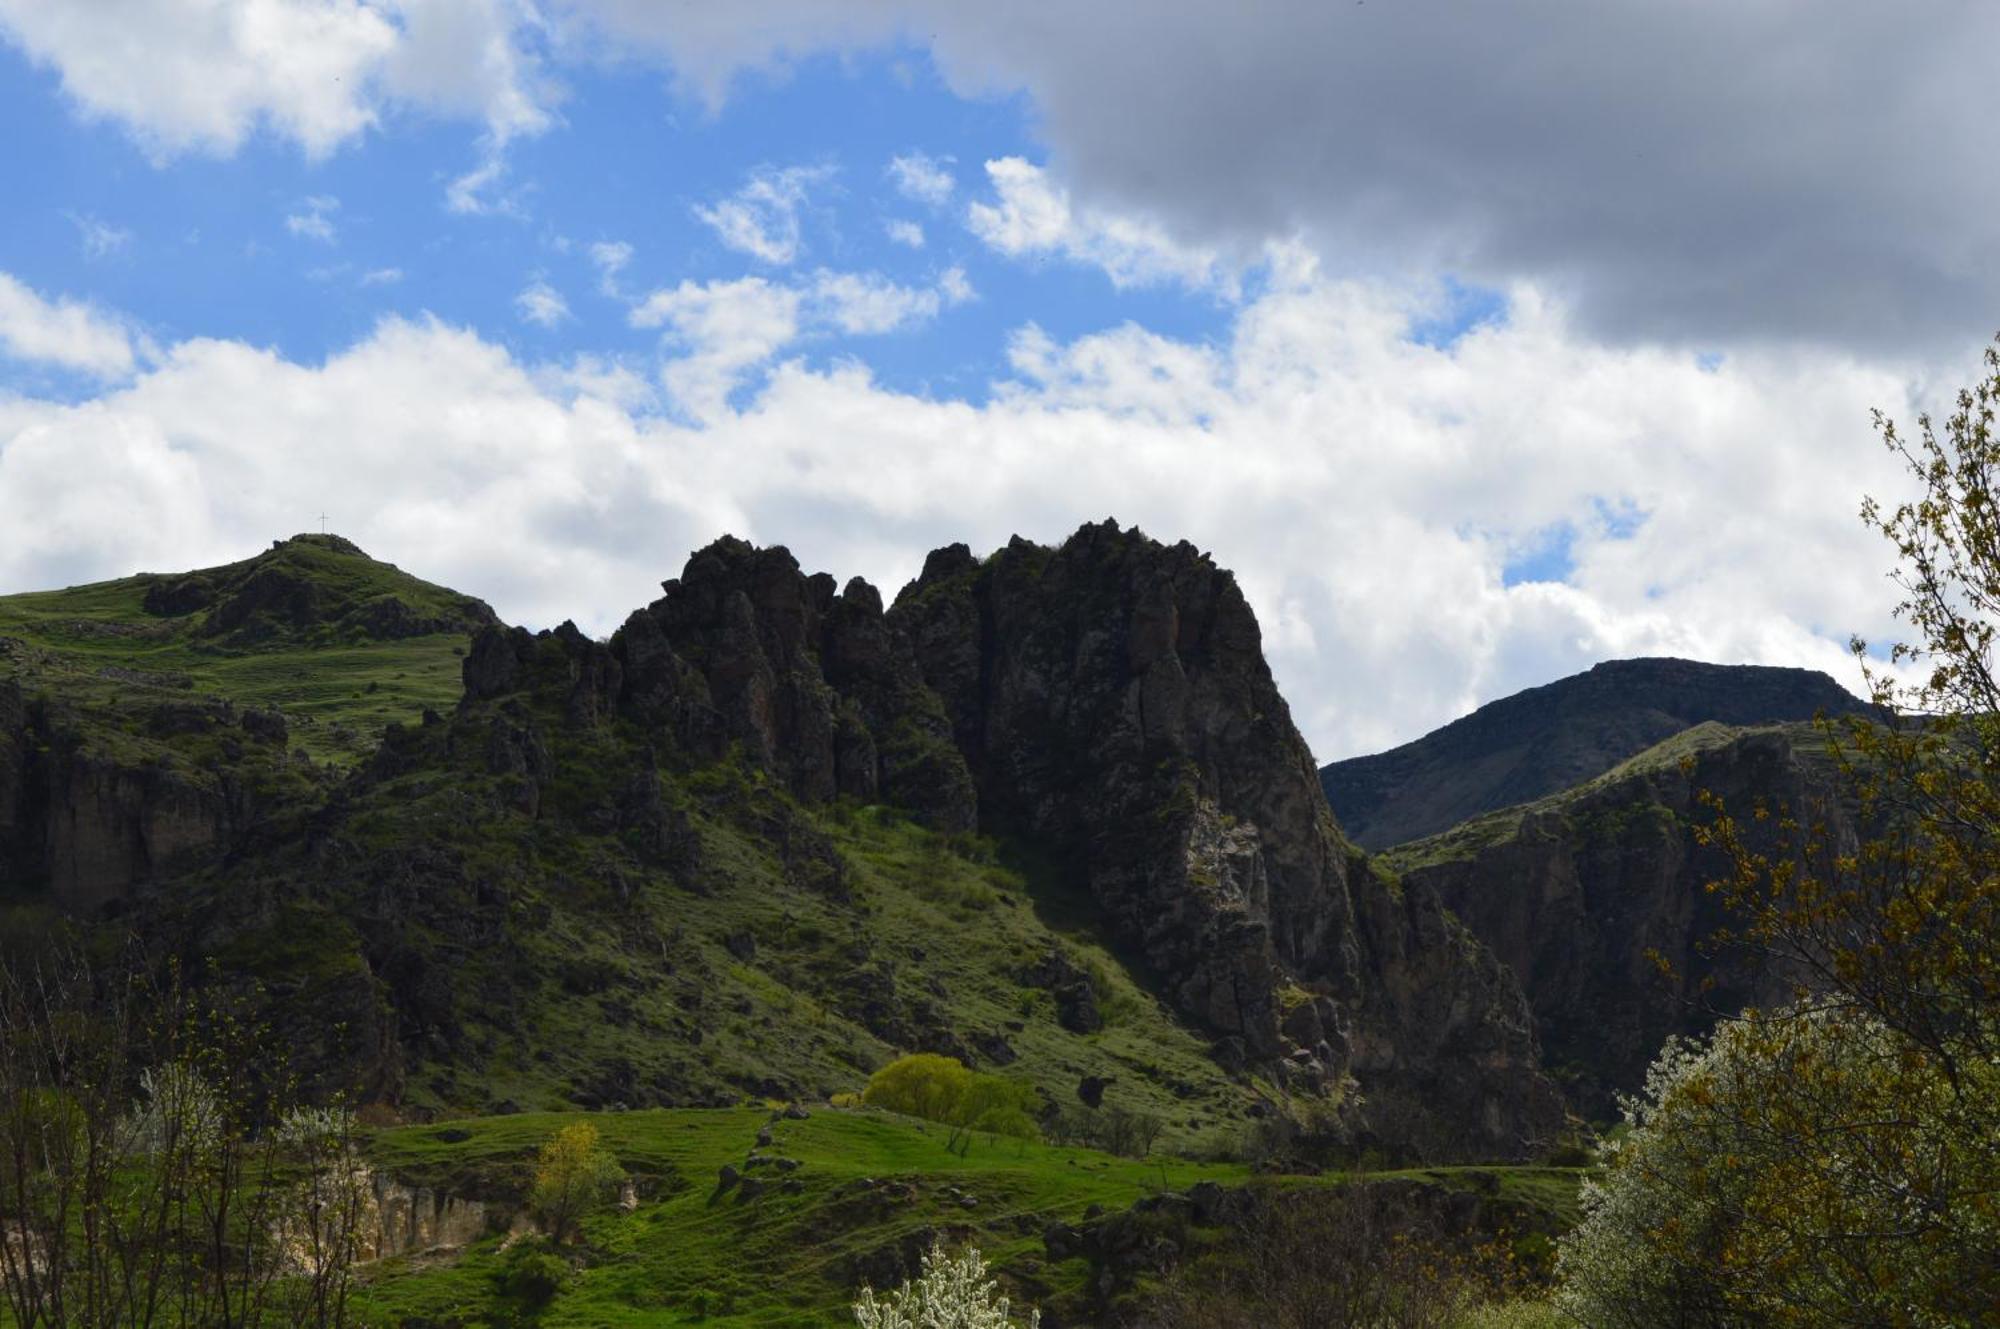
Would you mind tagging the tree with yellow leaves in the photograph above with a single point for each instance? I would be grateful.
(574, 1176)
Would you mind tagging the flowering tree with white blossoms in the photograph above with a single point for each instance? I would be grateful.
(952, 1292)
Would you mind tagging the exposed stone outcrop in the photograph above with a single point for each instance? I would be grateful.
(1578, 895)
(91, 828)
(1108, 701)
(745, 653)
(1112, 699)
(1548, 739)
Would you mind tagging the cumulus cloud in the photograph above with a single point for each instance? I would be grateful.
(381, 276)
(721, 330)
(1705, 173)
(1368, 490)
(762, 218)
(861, 303)
(314, 219)
(66, 333)
(1032, 217)
(904, 232)
(923, 178)
(197, 76)
(541, 304)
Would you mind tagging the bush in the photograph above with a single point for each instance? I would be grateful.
(952, 1292)
(941, 1089)
(532, 1275)
(1802, 1168)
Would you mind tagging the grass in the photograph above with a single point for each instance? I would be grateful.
(1475, 835)
(98, 648)
(869, 1181)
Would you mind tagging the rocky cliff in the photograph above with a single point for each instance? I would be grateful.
(653, 862)
(1113, 703)
(1584, 894)
(1547, 739)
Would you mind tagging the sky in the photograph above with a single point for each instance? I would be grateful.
(1482, 343)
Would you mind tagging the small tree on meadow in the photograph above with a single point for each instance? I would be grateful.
(574, 1177)
(941, 1089)
(952, 1292)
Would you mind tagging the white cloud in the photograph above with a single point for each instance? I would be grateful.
(955, 288)
(610, 258)
(202, 76)
(541, 304)
(1367, 490)
(762, 218)
(1032, 217)
(904, 232)
(67, 333)
(719, 333)
(99, 238)
(1707, 174)
(381, 276)
(860, 303)
(923, 178)
(314, 220)
(723, 330)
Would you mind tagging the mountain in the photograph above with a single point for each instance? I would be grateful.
(1550, 738)
(1586, 893)
(1045, 812)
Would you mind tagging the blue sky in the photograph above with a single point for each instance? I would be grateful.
(1482, 351)
(278, 249)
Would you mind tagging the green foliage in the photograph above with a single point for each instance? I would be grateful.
(1798, 1170)
(942, 1089)
(532, 1274)
(1839, 1163)
(574, 1177)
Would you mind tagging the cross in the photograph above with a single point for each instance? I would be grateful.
(322, 523)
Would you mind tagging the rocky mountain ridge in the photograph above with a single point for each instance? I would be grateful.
(1546, 739)
(673, 829)
(1598, 898)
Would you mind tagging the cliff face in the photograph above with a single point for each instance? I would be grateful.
(1112, 700)
(1107, 702)
(1551, 738)
(660, 828)
(1579, 893)
(91, 825)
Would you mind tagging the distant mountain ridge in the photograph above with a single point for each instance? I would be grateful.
(1546, 739)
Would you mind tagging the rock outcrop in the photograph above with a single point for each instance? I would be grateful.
(91, 825)
(1107, 701)
(1548, 739)
(1583, 895)
(1112, 700)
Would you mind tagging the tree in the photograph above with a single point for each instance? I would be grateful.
(574, 1177)
(951, 1292)
(1307, 1257)
(942, 1089)
(1838, 1161)
(153, 1167)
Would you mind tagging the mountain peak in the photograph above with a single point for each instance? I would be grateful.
(1548, 738)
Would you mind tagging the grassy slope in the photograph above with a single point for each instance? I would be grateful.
(652, 982)
(687, 1255)
(1469, 837)
(97, 646)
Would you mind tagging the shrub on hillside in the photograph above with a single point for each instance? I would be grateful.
(952, 1292)
(942, 1089)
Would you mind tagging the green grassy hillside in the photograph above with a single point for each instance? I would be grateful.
(339, 643)
(870, 1187)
